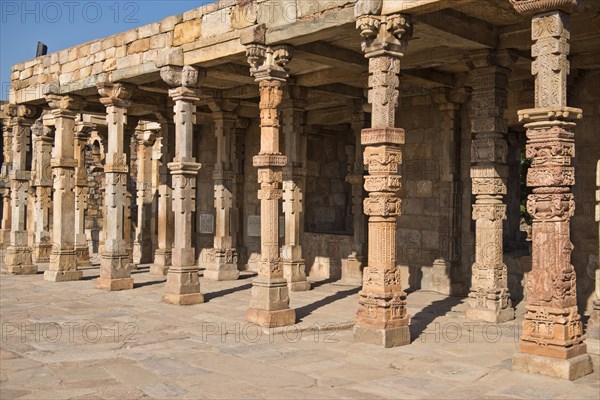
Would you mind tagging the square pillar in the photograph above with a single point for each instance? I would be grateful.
(142, 245)
(269, 306)
(183, 283)
(18, 260)
(5, 185)
(489, 299)
(552, 342)
(63, 260)
(115, 265)
(83, 131)
(42, 184)
(382, 318)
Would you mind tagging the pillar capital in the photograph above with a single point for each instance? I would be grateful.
(382, 34)
(186, 76)
(83, 130)
(64, 105)
(20, 114)
(268, 62)
(533, 7)
(115, 94)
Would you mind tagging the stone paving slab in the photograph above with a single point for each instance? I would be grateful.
(71, 341)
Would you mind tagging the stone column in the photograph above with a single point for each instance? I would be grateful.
(294, 185)
(142, 245)
(18, 259)
(42, 183)
(115, 266)
(353, 266)
(183, 284)
(83, 131)
(225, 266)
(594, 322)
(5, 185)
(552, 342)
(163, 254)
(269, 305)
(382, 317)
(63, 261)
(489, 299)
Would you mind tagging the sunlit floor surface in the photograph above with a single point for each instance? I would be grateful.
(72, 341)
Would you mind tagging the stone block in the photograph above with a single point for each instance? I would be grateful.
(128, 37)
(391, 337)
(95, 47)
(271, 319)
(148, 30)
(168, 24)
(108, 43)
(139, 46)
(187, 32)
(570, 369)
(114, 284)
(158, 41)
(216, 23)
(129, 61)
(62, 276)
(244, 15)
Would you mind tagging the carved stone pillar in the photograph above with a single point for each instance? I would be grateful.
(382, 317)
(294, 185)
(489, 299)
(5, 185)
(183, 284)
(444, 276)
(142, 245)
(83, 131)
(163, 254)
(269, 306)
(225, 265)
(352, 266)
(594, 322)
(552, 342)
(63, 261)
(18, 259)
(42, 183)
(115, 266)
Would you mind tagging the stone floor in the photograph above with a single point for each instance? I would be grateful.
(71, 341)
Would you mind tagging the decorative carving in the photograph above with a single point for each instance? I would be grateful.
(532, 7)
(115, 94)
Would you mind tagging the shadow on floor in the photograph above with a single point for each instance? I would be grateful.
(420, 321)
(90, 277)
(306, 310)
(323, 282)
(137, 285)
(225, 292)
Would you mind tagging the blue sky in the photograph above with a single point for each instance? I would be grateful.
(62, 24)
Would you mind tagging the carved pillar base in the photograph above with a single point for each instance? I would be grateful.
(269, 306)
(352, 268)
(492, 311)
(224, 267)
(83, 254)
(183, 286)
(63, 266)
(295, 274)
(162, 262)
(41, 253)
(18, 261)
(115, 272)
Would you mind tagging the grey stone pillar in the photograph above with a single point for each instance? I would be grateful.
(115, 265)
(42, 183)
(142, 245)
(83, 131)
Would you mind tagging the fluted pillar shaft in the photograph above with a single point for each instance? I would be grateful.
(42, 182)
(18, 258)
(183, 284)
(294, 186)
(163, 253)
(552, 342)
(489, 299)
(382, 318)
(225, 263)
(269, 305)
(115, 266)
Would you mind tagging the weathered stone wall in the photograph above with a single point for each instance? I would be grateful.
(324, 253)
(327, 201)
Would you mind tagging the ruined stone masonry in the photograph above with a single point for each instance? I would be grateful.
(383, 146)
